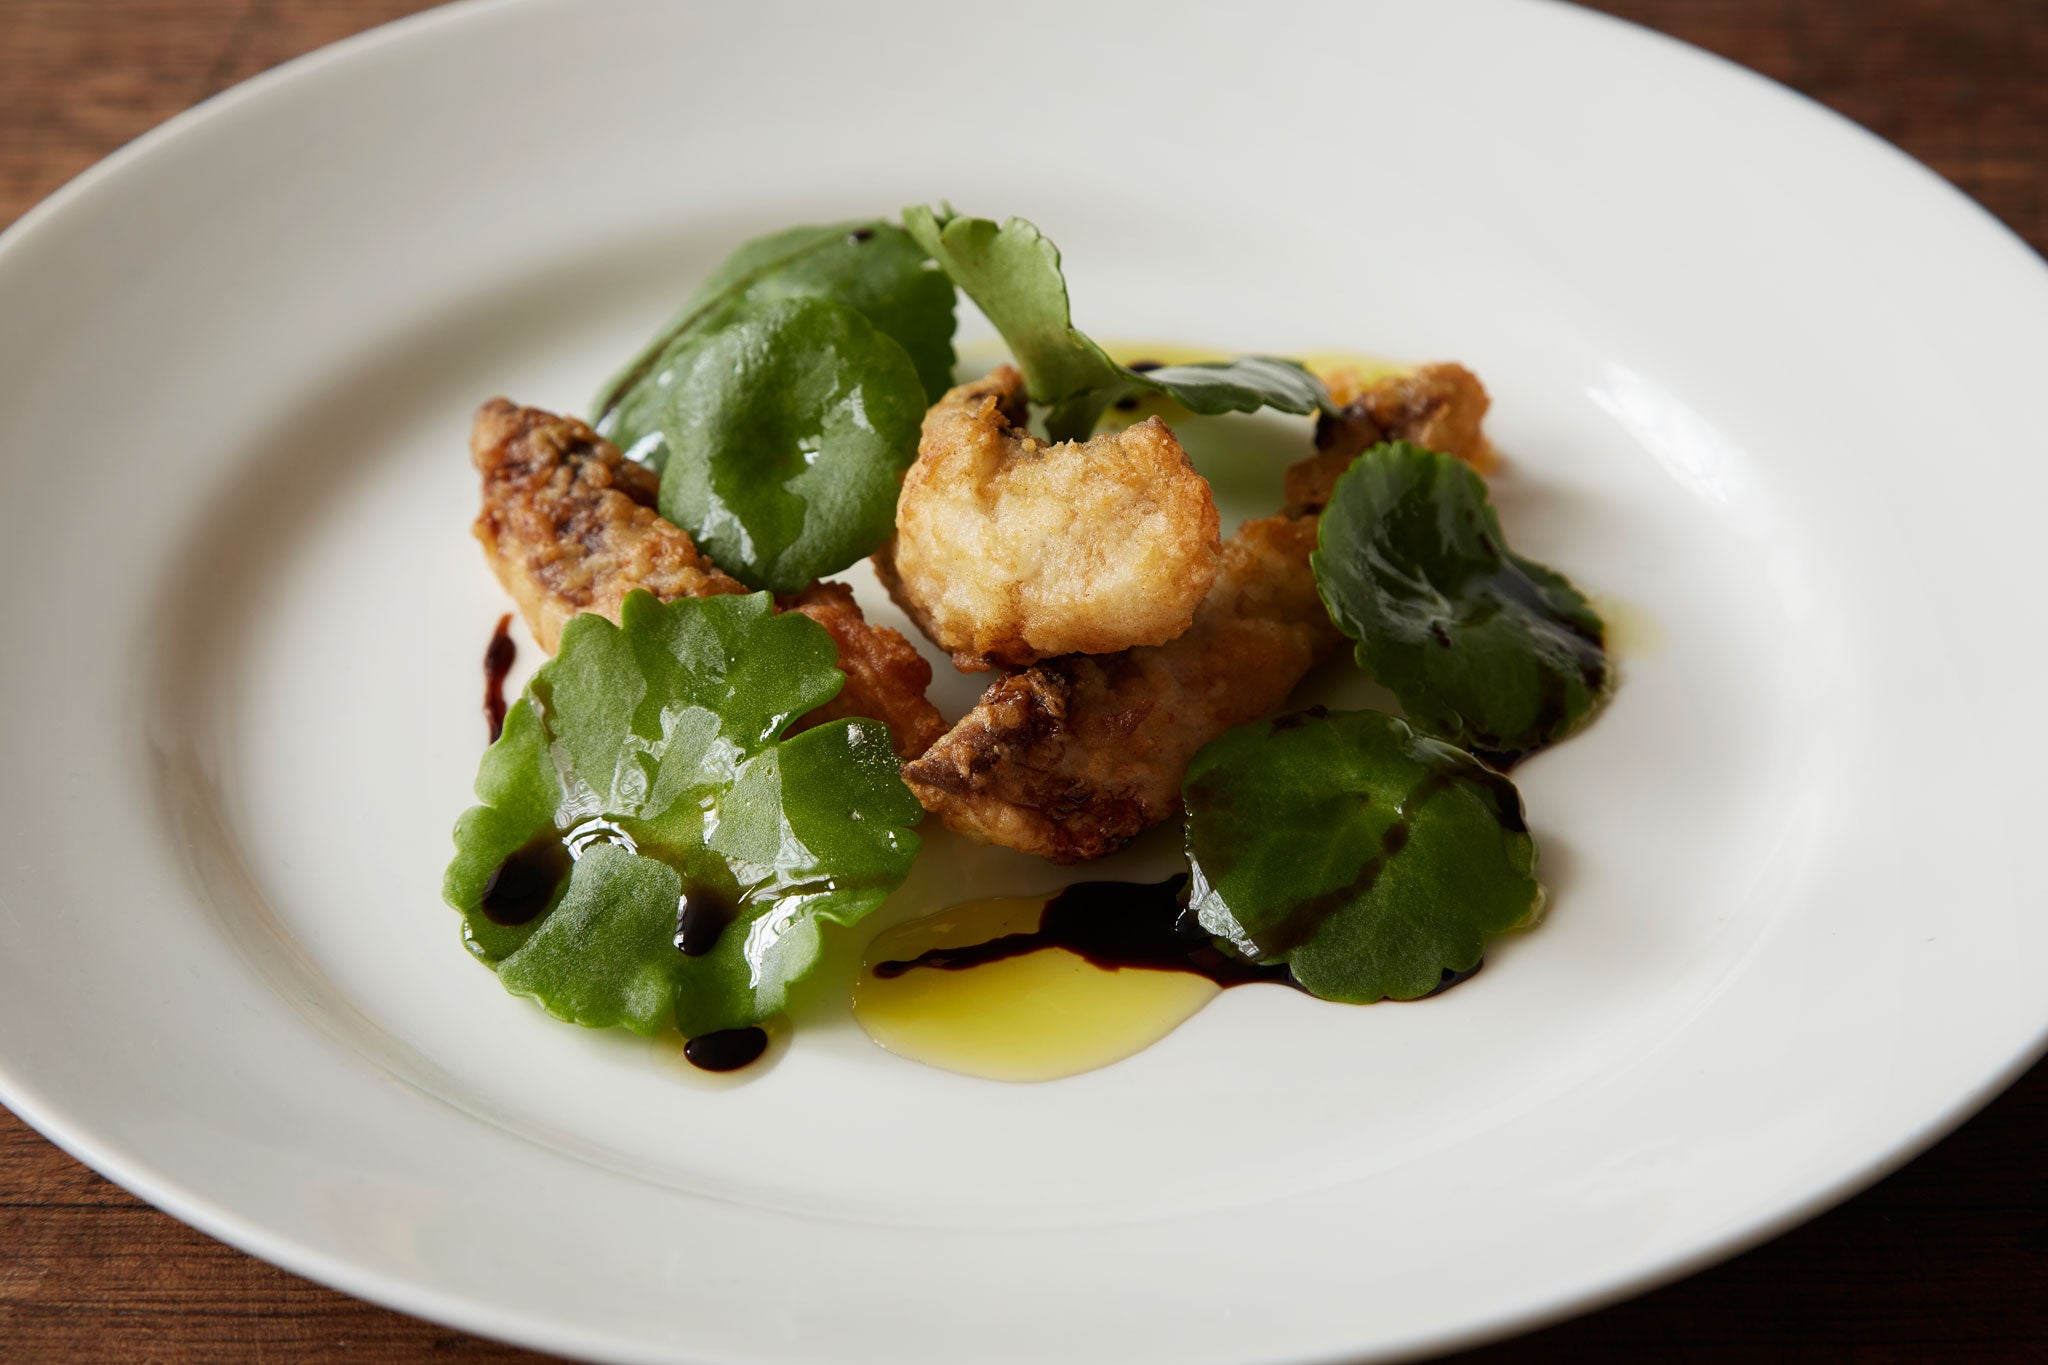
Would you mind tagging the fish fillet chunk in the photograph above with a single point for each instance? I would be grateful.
(568, 525)
(1009, 550)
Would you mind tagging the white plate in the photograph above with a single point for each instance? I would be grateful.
(1761, 378)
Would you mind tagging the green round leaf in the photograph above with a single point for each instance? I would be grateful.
(872, 266)
(788, 440)
(1012, 272)
(644, 771)
(1490, 650)
(1371, 859)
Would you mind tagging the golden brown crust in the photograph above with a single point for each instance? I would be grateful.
(1009, 550)
(886, 677)
(1438, 407)
(568, 525)
(1072, 757)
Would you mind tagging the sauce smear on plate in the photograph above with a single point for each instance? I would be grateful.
(1017, 988)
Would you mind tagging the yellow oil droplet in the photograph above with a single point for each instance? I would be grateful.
(1632, 632)
(1038, 1016)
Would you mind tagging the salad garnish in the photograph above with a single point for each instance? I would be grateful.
(703, 776)
(650, 849)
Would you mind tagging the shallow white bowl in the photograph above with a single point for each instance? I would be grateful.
(1766, 385)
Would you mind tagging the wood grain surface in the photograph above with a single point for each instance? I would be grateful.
(1946, 1260)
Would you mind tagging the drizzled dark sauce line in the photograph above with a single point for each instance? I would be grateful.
(728, 1049)
(498, 657)
(1112, 925)
(525, 883)
(1120, 924)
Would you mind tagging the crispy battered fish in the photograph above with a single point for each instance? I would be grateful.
(568, 525)
(1009, 550)
(1071, 758)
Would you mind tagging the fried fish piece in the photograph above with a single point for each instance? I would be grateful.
(1438, 407)
(1071, 758)
(568, 525)
(1009, 550)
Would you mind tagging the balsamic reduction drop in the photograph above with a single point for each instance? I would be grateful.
(729, 1049)
(700, 919)
(524, 884)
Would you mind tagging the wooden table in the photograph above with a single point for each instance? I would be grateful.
(1947, 1260)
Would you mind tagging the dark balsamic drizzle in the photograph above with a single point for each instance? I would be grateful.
(729, 1049)
(1121, 924)
(1111, 924)
(1129, 402)
(498, 657)
(525, 883)
(700, 919)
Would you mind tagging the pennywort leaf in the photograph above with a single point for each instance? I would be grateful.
(1368, 857)
(1012, 272)
(788, 438)
(1490, 650)
(641, 788)
(872, 267)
